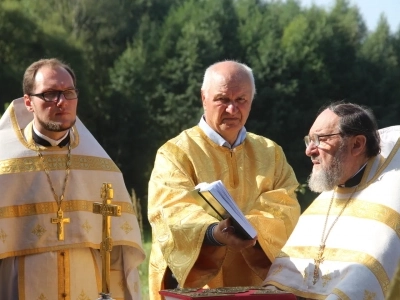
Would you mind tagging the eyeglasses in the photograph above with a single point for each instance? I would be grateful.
(315, 138)
(54, 96)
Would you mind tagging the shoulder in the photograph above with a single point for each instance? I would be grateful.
(187, 139)
(179, 145)
(186, 135)
(261, 141)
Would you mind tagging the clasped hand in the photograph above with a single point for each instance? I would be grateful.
(224, 233)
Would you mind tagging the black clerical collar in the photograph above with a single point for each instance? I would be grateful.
(65, 141)
(41, 141)
(356, 179)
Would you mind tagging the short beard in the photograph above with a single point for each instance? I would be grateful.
(327, 178)
(55, 126)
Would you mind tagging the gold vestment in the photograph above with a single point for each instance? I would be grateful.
(261, 182)
(394, 292)
(30, 251)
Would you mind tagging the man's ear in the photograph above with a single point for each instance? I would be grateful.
(358, 145)
(203, 99)
(28, 103)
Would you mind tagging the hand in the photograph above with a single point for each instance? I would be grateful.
(224, 233)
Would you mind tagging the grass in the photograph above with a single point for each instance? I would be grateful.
(144, 268)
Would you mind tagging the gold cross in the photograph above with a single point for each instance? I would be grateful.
(60, 220)
(107, 210)
(317, 261)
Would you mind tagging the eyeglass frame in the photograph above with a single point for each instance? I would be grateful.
(316, 137)
(41, 95)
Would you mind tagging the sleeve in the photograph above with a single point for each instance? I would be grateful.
(394, 290)
(124, 262)
(274, 215)
(178, 223)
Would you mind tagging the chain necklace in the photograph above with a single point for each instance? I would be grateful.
(320, 259)
(59, 220)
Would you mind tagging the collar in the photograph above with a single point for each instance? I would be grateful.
(219, 140)
(356, 179)
(43, 140)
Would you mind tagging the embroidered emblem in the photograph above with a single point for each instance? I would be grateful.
(38, 230)
(83, 296)
(369, 295)
(3, 236)
(42, 297)
(126, 227)
(86, 226)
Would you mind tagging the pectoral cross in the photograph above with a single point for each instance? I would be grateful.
(317, 261)
(107, 210)
(60, 220)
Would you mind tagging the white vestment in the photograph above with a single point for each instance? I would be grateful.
(34, 263)
(363, 246)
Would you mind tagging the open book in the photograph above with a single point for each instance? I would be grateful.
(216, 201)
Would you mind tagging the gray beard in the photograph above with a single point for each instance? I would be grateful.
(327, 178)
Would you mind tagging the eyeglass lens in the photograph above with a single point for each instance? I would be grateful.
(55, 95)
(314, 139)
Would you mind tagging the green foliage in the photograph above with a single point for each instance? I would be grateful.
(140, 64)
(22, 41)
(380, 74)
(144, 266)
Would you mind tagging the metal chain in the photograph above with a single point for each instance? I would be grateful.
(323, 237)
(58, 199)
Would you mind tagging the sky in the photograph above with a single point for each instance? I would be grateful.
(370, 10)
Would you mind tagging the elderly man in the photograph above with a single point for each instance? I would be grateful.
(190, 247)
(346, 244)
(51, 172)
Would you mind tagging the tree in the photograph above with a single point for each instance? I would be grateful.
(379, 75)
(21, 43)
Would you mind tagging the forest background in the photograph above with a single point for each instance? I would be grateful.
(140, 64)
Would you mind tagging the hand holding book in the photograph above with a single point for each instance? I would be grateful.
(225, 233)
(217, 201)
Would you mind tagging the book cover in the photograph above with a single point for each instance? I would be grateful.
(227, 293)
(217, 202)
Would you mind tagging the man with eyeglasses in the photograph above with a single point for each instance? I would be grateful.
(51, 172)
(346, 244)
(192, 248)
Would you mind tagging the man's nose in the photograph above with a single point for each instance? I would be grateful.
(311, 149)
(61, 99)
(231, 107)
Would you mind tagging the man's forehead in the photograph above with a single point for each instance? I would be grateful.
(50, 76)
(327, 120)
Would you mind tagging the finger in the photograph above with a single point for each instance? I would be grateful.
(228, 229)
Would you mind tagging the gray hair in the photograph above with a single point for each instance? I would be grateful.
(211, 73)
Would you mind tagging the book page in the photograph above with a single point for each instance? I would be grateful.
(222, 196)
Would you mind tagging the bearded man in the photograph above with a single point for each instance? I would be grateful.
(51, 172)
(345, 245)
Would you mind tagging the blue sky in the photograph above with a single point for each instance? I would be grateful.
(370, 10)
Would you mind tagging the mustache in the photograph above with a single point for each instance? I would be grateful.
(314, 158)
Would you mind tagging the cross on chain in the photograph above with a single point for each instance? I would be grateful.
(317, 261)
(106, 209)
(60, 220)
